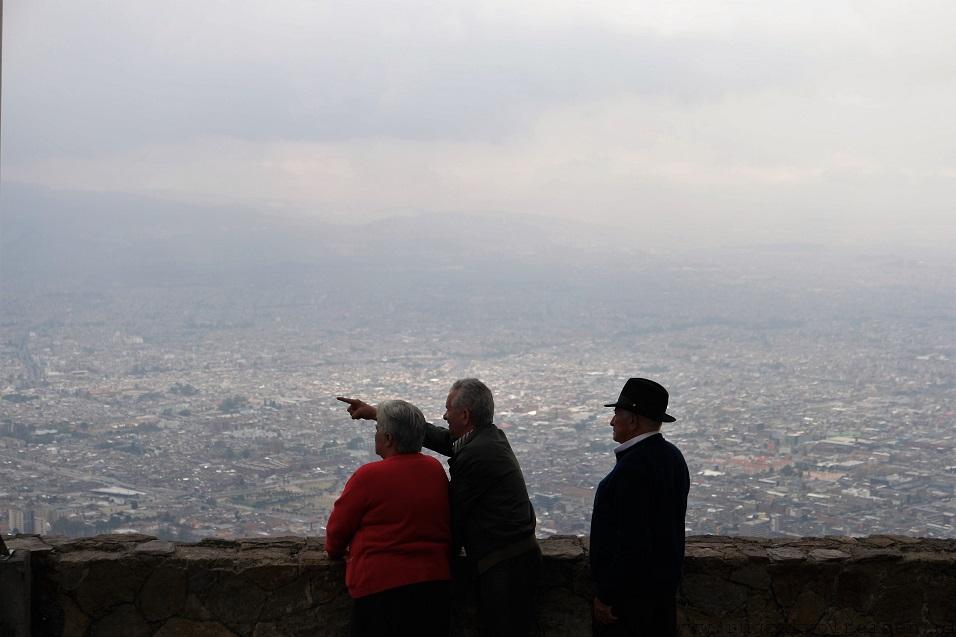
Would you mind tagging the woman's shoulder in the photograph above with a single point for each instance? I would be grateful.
(417, 459)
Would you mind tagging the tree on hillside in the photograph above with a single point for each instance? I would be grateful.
(233, 404)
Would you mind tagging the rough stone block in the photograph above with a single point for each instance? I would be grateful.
(270, 576)
(70, 573)
(328, 584)
(178, 627)
(855, 587)
(713, 595)
(786, 554)
(792, 579)
(699, 552)
(195, 609)
(846, 621)
(75, 621)
(807, 610)
(754, 553)
(110, 582)
(236, 603)
(15, 598)
(331, 620)
(900, 602)
(218, 543)
(209, 557)
(940, 600)
(828, 555)
(122, 621)
(295, 597)
(562, 548)
(109, 542)
(201, 579)
(164, 593)
(32, 543)
(156, 547)
(754, 576)
(762, 615)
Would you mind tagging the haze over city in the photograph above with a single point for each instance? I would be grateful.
(216, 217)
(691, 121)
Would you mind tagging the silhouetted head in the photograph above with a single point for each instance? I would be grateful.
(470, 405)
(644, 397)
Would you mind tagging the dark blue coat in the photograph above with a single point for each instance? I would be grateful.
(637, 527)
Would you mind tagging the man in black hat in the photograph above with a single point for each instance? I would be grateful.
(637, 526)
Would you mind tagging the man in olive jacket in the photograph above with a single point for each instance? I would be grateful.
(491, 514)
(637, 526)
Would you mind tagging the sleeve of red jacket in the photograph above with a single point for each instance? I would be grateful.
(346, 517)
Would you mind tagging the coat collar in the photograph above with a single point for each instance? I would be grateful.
(630, 444)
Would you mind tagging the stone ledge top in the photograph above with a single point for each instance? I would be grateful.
(298, 550)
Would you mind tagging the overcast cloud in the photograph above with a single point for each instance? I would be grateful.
(685, 121)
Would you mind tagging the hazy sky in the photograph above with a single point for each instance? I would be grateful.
(681, 120)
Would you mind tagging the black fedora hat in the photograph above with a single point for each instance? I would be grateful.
(644, 397)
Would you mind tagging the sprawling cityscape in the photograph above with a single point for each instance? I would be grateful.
(808, 402)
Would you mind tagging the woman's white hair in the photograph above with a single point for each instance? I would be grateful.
(405, 422)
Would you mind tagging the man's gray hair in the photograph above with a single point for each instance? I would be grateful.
(405, 422)
(474, 395)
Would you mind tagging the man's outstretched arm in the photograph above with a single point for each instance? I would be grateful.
(436, 438)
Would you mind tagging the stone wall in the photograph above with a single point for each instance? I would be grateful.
(135, 585)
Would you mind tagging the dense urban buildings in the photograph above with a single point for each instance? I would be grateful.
(806, 406)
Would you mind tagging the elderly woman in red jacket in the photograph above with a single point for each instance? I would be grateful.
(391, 523)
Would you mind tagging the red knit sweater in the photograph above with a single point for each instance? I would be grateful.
(393, 518)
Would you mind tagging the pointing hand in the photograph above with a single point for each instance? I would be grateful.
(359, 409)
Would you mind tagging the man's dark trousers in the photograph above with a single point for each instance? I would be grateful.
(644, 617)
(506, 599)
(422, 609)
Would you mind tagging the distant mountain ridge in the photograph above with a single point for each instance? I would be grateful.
(45, 231)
